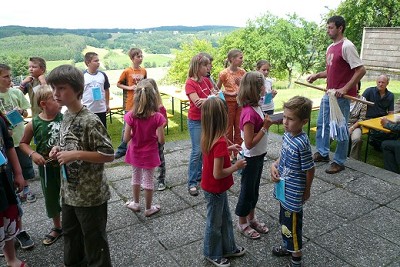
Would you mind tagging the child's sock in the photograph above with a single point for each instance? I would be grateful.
(295, 261)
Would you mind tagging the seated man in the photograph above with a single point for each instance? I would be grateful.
(391, 148)
(358, 112)
(384, 105)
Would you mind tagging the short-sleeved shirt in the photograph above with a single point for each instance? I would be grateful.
(131, 76)
(93, 82)
(31, 88)
(383, 105)
(295, 160)
(142, 150)
(86, 185)
(229, 81)
(10, 100)
(255, 116)
(202, 89)
(7, 196)
(208, 181)
(266, 102)
(46, 133)
(341, 60)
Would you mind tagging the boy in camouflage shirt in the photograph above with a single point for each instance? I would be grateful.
(84, 147)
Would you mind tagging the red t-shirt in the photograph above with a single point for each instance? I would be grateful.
(202, 89)
(208, 182)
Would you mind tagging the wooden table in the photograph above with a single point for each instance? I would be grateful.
(175, 92)
(374, 124)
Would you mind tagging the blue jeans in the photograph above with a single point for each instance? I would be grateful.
(123, 146)
(323, 142)
(218, 237)
(196, 161)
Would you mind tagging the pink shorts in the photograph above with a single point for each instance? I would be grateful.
(143, 177)
(8, 224)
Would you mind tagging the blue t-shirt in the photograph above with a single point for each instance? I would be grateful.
(295, 160)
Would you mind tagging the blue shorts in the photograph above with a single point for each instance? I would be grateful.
(291, 229)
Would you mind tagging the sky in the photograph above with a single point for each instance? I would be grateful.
(86, 14)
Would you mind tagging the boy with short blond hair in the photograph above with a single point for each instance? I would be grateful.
(128, 80)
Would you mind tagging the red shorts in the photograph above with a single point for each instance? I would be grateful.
(8, 224)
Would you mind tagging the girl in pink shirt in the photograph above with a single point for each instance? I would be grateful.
(144, 129)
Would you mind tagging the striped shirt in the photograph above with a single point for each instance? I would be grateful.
(295, 160)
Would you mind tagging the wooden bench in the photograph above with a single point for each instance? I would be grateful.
(116, 111)
(363, 130)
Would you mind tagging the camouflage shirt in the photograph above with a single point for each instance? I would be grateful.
(85, 184)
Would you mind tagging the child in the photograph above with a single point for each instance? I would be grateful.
(83, 148)
(45, 128)
(37, 70)
(266, 101)
(9, 211)
(230, 78)
(14, 105)
(197, 88)
(96, 95)
(144, 128)
(296, 167)
(161, 177)
(219, 240)
(128, 80)
(254, 131)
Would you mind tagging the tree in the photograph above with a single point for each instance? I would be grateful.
(367, 13)
(178, 72)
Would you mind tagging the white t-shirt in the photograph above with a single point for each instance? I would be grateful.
(266, 101)
(94, 93)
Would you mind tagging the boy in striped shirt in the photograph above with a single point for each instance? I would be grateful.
(296, 167)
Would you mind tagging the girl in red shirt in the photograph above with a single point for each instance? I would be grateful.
(216, 179)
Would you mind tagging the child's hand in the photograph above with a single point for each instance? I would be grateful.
(275, 177)
(54, 151)
(274, 92)
(65, 157)
(267, 122)
(306, 195)
(19, 182)
(42, 79)
(38, 159)
(240, 163)
(199, 102)
(235, 147)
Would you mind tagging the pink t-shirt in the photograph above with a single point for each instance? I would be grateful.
(142, 150)
(202, 89)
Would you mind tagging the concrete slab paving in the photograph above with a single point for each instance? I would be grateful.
(351, 219)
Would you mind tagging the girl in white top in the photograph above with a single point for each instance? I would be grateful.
(266, 101)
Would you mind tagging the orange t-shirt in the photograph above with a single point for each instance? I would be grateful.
(131, 76)
(231, 80)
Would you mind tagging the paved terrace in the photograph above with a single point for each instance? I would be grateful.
(351, 219)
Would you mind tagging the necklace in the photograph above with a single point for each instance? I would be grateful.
(72, 121)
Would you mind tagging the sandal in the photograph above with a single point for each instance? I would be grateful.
(280, 251)
(153, 210)
(49, 239)
(259, 226)
(247, 231)
(135, 207)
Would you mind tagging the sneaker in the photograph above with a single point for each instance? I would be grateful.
(24, 240)
(317, 157)
(193, 191)
(161, 186)
(280, 251)
(222, 262)
(118, 155)
(334, 168)
(237, 253)
(1, 254)
(30, 197)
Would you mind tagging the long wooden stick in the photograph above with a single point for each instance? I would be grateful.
(345, 96)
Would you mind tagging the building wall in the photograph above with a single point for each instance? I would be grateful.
(380, 52)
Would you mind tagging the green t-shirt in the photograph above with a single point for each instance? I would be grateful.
(10, 100)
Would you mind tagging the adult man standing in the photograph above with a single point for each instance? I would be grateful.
(384, 105)
(344, 69)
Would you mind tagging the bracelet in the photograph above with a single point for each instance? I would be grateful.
(30, 154)
(265, 131)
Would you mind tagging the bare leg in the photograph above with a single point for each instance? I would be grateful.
(10, 254)
(136, 193)
(148, 197)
